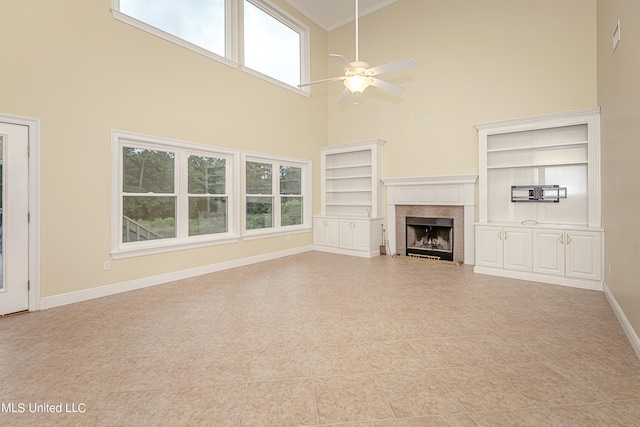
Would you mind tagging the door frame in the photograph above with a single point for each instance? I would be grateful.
(33, 126)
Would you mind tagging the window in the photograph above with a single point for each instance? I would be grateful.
(170, 194)
(275, 45)
(277, 194)
(272, 42)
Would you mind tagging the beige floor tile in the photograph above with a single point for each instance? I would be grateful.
(449, 348)
(481, 389)
(218, 367)
(218, 405)
(519, 418)
(543, 386)
(375, 330)
(329, 333)
(453, 420)
(385, 356)
(343, 359)
(279, 404)
(349, 399)
(279, 364)
(587, 415)
(418, 393)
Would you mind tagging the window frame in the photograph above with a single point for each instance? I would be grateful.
(182, 150)
(305, 45)
(305, 176)
(234, 39)
(230, 57)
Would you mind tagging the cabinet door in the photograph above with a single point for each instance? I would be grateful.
(361, 235)
(517, 249)
(325, 232)
(319, 232)
(346, 234)
(548, 251)
(584, 255)
(333, 231)
(489, 247)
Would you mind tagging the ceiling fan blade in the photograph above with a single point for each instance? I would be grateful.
(343, 97)
(392, 66)
(342, 61)
(388, 87)
(332, 79)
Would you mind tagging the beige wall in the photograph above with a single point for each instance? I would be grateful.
(619, 98)
(478, 61)
(70, 64)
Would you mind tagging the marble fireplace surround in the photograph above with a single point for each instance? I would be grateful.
(450, 196)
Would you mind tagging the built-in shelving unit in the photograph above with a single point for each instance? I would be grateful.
(513, 239)
(351, 199)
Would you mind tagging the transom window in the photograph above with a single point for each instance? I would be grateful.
(277, 194)
(275, 45)
(170, 194)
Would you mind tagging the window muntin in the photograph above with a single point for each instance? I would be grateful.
(271, 46)
(171, 194)
(277, 194)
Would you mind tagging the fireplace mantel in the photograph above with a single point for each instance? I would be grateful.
(448, 190)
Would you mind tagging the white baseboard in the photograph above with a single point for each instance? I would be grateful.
(116, 288)
(594, 285)
(632, 336)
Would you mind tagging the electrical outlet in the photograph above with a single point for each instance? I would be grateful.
(609, 268)
(288, 237)
(107, 265)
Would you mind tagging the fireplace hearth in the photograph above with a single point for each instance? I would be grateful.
(432, 237)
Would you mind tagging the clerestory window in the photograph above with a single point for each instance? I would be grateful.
(275, 45)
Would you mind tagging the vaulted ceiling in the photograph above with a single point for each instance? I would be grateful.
(331, 14)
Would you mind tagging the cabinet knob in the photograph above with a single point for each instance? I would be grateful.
(506, 236)
(500, 235)
(568, 239)
(561, 239)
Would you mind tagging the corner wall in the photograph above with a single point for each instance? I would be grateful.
(619, 99)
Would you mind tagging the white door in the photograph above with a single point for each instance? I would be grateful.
(14, 225)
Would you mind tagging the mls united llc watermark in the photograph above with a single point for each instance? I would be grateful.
(42, 408)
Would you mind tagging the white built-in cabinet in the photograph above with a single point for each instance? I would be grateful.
(558, 242)
(351, 189)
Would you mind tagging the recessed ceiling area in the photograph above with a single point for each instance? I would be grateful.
(331, 14)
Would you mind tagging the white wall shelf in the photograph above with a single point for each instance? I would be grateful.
(556, 149)
(351, 218)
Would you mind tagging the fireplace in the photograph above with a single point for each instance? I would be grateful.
(432, 237)
(451, 196)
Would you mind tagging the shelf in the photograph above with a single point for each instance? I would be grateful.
(352, 166)
(331, 178)
(528, 165)
(557, 146)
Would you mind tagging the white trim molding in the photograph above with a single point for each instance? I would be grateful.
(631, 334)
(448, 190)
(34, 204)
(145, 282)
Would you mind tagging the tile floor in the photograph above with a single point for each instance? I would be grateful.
(321, 339)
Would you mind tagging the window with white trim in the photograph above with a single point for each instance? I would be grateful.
(275, 44)
(277, 194)
(171, 194)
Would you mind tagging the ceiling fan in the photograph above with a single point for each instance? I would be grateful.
(358, 76)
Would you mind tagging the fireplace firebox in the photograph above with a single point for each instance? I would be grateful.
(431, 237)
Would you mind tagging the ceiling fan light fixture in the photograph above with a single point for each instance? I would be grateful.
(357, 84)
